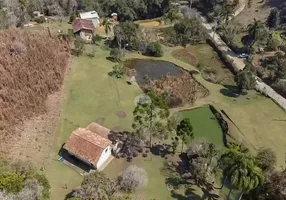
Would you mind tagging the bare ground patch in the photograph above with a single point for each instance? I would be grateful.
(37, 134)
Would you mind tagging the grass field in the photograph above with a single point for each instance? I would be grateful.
(205, 125)
(91, 95)
(205, 60)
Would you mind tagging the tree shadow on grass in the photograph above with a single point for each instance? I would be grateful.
(229, 91)
(189, 194)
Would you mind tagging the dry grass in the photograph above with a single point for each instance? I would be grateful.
(32, 67)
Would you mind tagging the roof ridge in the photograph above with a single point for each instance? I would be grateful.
(76, 133)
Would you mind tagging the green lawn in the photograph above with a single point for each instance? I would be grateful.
(91, 96)
(205, 125)
(156, 187)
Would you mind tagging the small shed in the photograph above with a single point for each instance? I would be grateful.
(83, 28)
(91, 15)
(89, 146)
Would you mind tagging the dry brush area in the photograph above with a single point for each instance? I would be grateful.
(31, 68)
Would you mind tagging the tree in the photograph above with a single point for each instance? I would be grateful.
(117, 54)
(79, 47)
(273, 20)
(154, 49)
(225, 13)
(257, 31)
(126, 34)
(175, 144)
(173, 15)
(229, 32)
(96, 186)
(107, 26)
(185, 131)
(204, 158)
(152, 117)
(184, 32)
(133, 178)
(11, 182)
(242, 169)
(118, 71)
(267, 159)
(72, 17)
(245, 80)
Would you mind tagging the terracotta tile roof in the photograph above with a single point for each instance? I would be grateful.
(98, 129)
(80, 24)
(86, 145)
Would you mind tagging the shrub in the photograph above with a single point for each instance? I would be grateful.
(154, 49)
(72, 17)
(11, 182)
(133, 178)
(273, 44)
(117, 54)
(96, 38)
(43, 181)
(91, 54)
(40, 20)
(118, 71)
(79, 47)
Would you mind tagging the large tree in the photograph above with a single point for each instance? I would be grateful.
(184, 32)
(257, 31)
(245, 80)
(96, 186)
(152, 118)
(185, 131)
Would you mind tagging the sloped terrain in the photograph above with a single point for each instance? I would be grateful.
(31, 68)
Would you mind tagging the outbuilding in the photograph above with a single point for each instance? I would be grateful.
(83, 28)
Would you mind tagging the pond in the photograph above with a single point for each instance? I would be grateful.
(154, 69)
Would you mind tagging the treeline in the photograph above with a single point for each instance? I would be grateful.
(18, 12)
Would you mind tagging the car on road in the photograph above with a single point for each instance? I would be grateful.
(243, 55)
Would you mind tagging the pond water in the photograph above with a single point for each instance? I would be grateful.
(154, 69)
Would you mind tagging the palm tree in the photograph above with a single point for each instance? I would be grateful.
(107, 25)
(255, 30)
(242, 170)
(226, 13)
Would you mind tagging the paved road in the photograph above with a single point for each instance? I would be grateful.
(231, 57)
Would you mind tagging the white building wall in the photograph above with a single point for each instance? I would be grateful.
(105, 155)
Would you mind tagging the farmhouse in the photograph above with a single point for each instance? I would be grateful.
(92, 15)
(83, 28)
(90, 145)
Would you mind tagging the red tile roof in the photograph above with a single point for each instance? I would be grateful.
(100, 130)
(80, 24)
(87, 145)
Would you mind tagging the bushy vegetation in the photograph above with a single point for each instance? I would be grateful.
(133, 178)
(184, 32)
(20, 180)
(117, 54)
(154, 49)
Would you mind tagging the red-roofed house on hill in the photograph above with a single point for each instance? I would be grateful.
(90, 145)
(83, 28)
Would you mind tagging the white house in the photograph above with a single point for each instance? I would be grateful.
(90, 145)
(92, 15)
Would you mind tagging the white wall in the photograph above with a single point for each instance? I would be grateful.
(105, 155)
